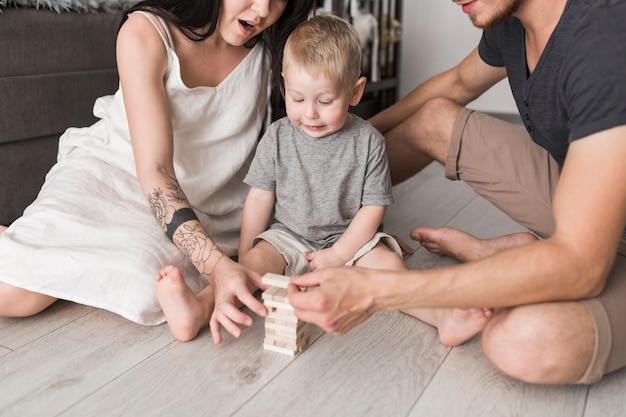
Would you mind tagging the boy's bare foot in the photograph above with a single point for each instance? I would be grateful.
(458, 325)
(463, 246)
(186, 312)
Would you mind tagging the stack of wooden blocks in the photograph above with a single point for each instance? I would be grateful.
(284, 333)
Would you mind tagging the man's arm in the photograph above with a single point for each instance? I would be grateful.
(463, 83)
(590, 214)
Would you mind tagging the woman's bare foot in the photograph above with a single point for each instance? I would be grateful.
(458, 325)
(463, 246)
(186, 312)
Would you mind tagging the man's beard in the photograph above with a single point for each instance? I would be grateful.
(500, 16)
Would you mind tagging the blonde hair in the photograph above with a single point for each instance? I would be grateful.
(328, 45)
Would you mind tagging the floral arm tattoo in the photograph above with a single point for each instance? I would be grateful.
(192, 240)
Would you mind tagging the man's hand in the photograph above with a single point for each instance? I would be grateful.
(340, 300)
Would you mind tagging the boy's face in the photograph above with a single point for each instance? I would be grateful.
(315, 104)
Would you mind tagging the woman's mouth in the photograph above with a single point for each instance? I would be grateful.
(247, 27)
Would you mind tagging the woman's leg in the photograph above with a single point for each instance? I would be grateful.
(185, 311)
(18, 302)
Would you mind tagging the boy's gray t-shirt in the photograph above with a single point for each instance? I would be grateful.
(321, 183)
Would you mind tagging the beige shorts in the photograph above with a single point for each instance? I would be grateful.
(292, 248)
(501, 163)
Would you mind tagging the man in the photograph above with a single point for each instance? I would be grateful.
(559, 299)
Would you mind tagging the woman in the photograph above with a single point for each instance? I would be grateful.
(171, 145)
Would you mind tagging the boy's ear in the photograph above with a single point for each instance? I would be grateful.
(357, 91)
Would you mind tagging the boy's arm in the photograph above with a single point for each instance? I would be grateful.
(361, 229)
(257, 212)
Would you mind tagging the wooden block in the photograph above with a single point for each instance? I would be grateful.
(270, 292)
(273, 311)
(278, 305)
(295, 338)
(284, 329)
(274, 341)
(295, 345)
(280, 295)
(282, 320)
(275, 280)
(279, 349)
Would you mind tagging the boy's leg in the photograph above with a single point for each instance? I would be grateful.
(264, 258)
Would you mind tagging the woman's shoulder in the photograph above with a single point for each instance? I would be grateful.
(139, 44)
(142, 30)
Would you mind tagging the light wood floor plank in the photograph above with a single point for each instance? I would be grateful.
(16, 332)
(74, 360)
(466, 386)
(429, 201)
(607, 398)
(60, 368)
(191, 379)
(377, 369)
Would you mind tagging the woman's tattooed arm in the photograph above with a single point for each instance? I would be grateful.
(190, 238)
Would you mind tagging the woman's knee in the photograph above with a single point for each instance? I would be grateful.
(18, 302)
(544, 343)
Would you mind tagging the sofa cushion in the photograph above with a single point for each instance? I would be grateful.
(72, 5)
(52, 68)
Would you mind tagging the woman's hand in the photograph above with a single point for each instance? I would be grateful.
(234, 286)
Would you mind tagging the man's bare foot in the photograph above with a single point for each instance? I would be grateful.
(458, 325)
(186, 312)
(463, 246)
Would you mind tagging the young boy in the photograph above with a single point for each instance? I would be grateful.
(321, 171)
(320, 180)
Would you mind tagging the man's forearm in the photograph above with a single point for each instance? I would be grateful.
(533, 273)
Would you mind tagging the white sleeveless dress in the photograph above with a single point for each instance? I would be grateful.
(90, 237)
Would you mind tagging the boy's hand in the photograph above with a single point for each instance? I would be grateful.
(324, 258)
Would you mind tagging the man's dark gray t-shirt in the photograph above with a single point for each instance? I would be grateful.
(579, 84)
(321, 183)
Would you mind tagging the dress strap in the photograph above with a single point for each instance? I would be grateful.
(161, 28)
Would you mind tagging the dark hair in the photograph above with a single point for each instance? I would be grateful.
(198, 20)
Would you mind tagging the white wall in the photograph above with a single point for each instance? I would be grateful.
(436, 35)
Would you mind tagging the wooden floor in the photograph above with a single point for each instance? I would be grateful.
(74, 360)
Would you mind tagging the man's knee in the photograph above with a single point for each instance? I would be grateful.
(432, 126)
(539, 344)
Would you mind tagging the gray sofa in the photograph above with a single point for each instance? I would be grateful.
(52, 68)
